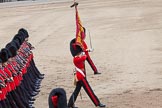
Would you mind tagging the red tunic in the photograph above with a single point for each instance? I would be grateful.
(3, 90)
(79, 63)
(14, 63)
(10, 85)
(29, 54)
(15, 77)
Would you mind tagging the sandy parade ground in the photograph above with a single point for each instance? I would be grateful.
(127, 41)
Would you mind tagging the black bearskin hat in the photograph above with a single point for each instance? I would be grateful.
(4, 55)
(12, 49)
(16, 44)
(22, 35)
(24, 31)
(61, 98)
(19, 38)
(74, 49)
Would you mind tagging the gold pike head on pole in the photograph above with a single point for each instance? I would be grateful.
(75, 4)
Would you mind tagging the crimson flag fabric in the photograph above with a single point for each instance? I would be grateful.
(79, 29)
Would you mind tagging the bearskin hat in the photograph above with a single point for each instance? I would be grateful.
(60, 101)
(24, 31)
(74, 49)
(16, 44)
(4, 55)
(12, 49)
(19, 38)
(22, 35)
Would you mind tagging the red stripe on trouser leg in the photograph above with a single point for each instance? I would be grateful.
(90, 92)
(89, 60)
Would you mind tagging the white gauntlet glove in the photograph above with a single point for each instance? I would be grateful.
(83, 53)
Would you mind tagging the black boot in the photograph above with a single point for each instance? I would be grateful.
(101, 105)
(97, 73)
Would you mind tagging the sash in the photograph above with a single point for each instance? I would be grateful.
(80, 71)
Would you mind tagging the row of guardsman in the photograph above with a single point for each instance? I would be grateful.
(1, 1)
(19, 77)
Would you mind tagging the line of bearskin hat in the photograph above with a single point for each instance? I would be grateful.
(11, 48)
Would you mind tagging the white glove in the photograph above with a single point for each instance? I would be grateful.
(83, 53)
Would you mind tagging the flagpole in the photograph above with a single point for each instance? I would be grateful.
(75, 4)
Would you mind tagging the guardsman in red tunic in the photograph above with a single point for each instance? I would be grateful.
(87, 50)
(3, 90)
(27, 47)
(14, 99)
(17, 75)
(81, 81)
(80, 36)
